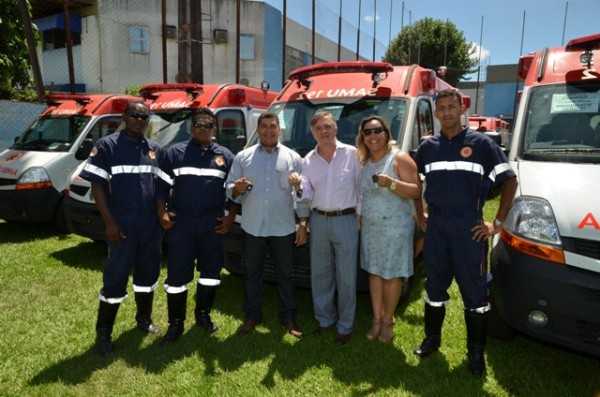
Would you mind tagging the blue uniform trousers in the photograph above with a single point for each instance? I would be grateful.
(191, 240)
(138, 251)
(450, 251)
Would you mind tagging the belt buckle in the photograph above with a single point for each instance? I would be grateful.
(339, 212)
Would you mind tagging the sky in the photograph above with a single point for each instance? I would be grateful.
(502, 22)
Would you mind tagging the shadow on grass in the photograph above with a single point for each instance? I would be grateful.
(14, 232)
(87, 255)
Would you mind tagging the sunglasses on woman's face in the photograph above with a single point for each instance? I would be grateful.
(369, 131)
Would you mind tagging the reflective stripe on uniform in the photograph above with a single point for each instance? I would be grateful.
(454, 166)
(175, 290)
(433, 303)
(498, 169)
(209, 282)
(92, 169)
(112, 301)
(140, 288)
(199, 172)
(163, 175)
(482, 309)
(132, 169)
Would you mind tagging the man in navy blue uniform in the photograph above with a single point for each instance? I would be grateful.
(122, 168)
(459, 167)
(192, 211)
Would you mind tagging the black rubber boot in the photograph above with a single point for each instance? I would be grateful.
(176, 305)
(104, 325)
(205, 297)
(143, 316)
(434, 318)
(476, 337)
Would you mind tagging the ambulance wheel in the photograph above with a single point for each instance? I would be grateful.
(497, 327)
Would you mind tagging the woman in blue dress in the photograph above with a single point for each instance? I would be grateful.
(388, 187)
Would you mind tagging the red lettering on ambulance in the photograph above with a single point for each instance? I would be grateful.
(589, 220)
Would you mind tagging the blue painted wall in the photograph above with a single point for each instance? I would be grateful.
(272, 47)
(499, 98)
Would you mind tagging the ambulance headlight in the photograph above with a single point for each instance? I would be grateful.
(533, 219)
(34, 178)
(34, 175)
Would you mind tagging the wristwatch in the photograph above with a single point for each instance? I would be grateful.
(392, 186)
(302, 222)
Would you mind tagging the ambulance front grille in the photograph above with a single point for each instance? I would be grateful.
(589, 248)
(7, 182)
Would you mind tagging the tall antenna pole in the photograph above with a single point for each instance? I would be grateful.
(374, 28)
(339, 49)
(562, 41)
(312, 53)
(284, 28)
(358, 33)
(478, 67)
(237, 42)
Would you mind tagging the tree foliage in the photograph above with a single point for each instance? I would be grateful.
(425, 43)
(14, 58)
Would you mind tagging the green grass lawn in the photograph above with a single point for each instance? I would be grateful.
(48, 302)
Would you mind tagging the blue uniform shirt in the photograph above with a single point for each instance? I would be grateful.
(198, 174)
(128, 168)
(459, 171)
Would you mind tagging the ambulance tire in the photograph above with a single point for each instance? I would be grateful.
(60, 221)
(497, 327)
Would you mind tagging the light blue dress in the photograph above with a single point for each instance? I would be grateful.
(387, 224)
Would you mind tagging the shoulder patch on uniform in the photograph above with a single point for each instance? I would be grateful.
(220, 161)
(466, 152)
(152, 154)
(94, 151)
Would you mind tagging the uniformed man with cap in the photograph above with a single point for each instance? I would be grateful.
(122, 169)
(459, 167)
(192, 212)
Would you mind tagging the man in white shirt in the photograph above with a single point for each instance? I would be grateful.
(330, 182)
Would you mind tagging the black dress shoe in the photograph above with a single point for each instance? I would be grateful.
(247, 327)
(342, 339)
(428, 346)
(174, 331)
(147, 327)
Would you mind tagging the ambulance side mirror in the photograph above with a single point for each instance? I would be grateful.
(84, 150)
(17, 139)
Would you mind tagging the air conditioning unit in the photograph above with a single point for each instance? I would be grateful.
(220, 36)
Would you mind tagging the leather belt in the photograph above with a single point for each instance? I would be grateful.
(346, 211)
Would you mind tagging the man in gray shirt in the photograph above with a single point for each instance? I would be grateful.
(259, 181)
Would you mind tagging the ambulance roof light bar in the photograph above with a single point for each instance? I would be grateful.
(150, 90)
(589, 42)
(54, 97)
(375, 68)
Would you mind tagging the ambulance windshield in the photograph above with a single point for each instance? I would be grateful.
(168, 128)
(52, 134)
(563, 124)
(294, 118)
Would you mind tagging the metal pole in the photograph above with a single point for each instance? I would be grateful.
(358, 33)
(284, 28)
(447, 29)
(478, 68)
(69, 44)
(339, 52)
(517, 77)
(562, 41)
(374, 28)
(33, 59)
(197, 49)
(312, 51)
(163, 12)
(390, 30)
(410, 38)
(237, 42)
(402, 17)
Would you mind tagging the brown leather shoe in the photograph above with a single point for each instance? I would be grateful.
(342, 339)
(247, 327)
(293, 328)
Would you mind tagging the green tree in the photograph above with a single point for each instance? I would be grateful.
(426, 41)
(14, 58)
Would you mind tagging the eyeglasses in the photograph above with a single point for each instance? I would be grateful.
(206, 126)
(139, 116)
(369, 131)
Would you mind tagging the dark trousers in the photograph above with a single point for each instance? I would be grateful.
(450, 251)
(282, 253)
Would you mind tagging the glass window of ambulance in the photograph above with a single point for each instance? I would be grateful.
(52, 134)
(423, 124)
(559, 124)
(232, 129)
(168, 128)
(294, 118)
